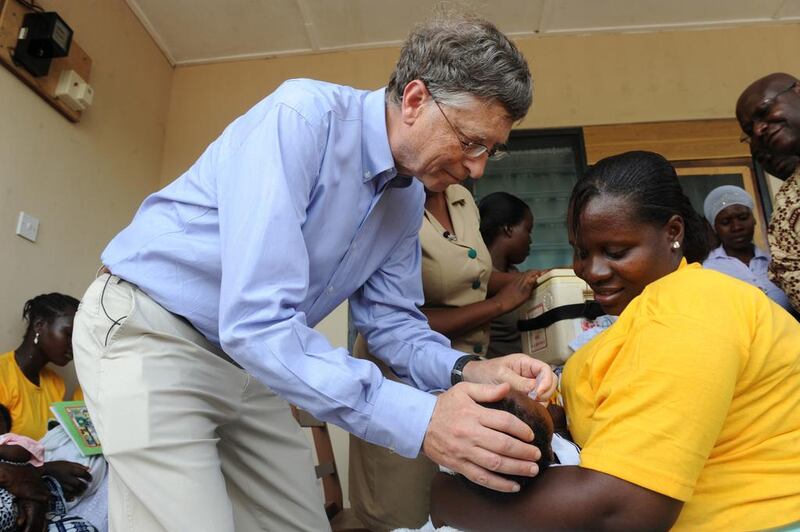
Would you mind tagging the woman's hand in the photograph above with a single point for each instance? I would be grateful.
(24, 482)
(73, 477)
(517, 292)
(31, 515)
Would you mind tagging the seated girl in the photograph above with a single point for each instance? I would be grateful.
(29, 384)
(687, 409)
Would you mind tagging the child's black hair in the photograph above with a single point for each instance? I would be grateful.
(5, 415)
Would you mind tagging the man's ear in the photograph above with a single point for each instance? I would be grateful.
(507, 230)
(415, 96)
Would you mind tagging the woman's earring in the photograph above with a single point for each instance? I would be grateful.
(676, 245)
(36, 338)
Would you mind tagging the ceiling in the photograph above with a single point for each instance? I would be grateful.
(209, 31)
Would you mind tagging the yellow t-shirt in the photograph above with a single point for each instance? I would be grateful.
(695, 393)
(28, 404)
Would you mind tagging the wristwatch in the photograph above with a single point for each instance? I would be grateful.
(457, 373)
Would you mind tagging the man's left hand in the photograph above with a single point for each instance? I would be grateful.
(523, 373)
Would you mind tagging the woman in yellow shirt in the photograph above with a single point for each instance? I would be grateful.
(687, 409)
(27, 386)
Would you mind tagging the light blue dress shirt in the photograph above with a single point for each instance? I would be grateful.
(296, 207)
(755, 273)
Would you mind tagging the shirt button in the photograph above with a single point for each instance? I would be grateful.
(476, 284)
(330, 290)
(478, 348)
(472, 253)
(367, 174)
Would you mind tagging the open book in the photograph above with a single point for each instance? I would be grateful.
(74, 417)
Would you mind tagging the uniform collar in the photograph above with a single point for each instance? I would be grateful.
(454, 195)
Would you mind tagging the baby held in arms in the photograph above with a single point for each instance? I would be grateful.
(551, 437)
(549, 425)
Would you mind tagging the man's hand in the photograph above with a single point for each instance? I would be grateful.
(523, 373)
(31, 516)
(24, 482)
(73, 477)
(479, 442)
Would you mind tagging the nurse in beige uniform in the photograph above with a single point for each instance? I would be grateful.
(462, 296)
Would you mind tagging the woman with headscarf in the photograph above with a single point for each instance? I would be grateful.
(729, 209)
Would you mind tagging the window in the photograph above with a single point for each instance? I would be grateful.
(541, 169)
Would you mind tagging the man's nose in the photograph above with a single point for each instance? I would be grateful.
(759, 128)
(476, 165)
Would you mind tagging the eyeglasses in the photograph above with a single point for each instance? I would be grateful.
(473, 149)
(763, 109)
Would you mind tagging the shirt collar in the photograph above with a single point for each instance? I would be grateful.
(719, 253)
(376, 154)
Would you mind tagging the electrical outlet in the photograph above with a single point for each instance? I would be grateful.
(27, 226)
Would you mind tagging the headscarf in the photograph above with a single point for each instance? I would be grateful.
(725, 196)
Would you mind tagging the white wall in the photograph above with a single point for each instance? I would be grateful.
(83, 181)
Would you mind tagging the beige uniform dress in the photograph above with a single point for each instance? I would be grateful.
(388, 491)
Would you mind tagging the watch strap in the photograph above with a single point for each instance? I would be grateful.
(457, 373)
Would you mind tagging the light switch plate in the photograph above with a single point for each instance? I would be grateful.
(27, 226)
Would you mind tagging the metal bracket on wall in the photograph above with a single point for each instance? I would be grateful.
(11, 15)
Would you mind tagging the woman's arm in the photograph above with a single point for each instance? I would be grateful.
(14, 453)
(455, 321)
(24, 482)
(567, 497)
(498, 280)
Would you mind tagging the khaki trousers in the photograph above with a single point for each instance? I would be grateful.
(193, 442)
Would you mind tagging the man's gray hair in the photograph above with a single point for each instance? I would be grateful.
(459, 55)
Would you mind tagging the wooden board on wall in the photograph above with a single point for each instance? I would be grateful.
(677, 141)
(11, 15)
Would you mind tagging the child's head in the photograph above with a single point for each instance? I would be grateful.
(536, 416)
(5, 420)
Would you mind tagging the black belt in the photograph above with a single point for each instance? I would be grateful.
(588, 309)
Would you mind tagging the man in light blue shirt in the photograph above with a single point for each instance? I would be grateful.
(304, 201)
